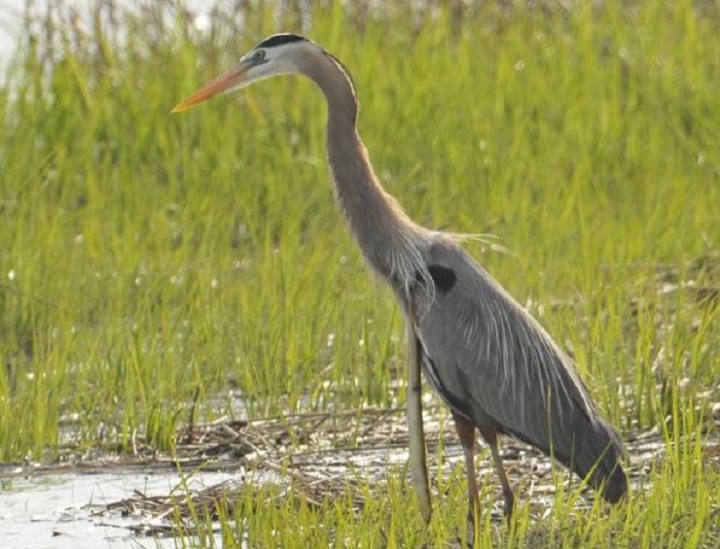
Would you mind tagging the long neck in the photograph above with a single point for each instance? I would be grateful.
(389, 240)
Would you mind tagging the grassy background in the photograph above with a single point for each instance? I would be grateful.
(145, 256)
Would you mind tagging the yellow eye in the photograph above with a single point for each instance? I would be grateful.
(260, 55)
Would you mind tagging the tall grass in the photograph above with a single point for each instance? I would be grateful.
(145, 256)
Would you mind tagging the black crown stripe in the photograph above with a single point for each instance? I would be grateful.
(280, 39)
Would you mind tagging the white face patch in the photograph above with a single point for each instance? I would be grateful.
(276, 60)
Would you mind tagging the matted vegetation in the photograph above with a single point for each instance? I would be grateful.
(150, 261)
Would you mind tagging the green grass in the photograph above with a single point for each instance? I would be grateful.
(145, 256)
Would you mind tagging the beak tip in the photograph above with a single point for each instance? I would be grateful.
(221, 84)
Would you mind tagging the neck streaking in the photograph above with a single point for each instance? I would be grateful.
(389, 240)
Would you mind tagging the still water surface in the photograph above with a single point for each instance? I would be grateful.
(67, 511)
(11, 17)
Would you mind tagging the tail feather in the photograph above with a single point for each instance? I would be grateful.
(594, 454)
(596, 457)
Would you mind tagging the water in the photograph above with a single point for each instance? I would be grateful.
(68, 511)
(10, 28)
(11, 18)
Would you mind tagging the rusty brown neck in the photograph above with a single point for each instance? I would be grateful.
(389, 240)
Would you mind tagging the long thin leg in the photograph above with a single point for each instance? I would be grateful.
(490, 436)
(418, 464)
(466, 432)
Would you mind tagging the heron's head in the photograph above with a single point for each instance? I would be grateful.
(277, 54)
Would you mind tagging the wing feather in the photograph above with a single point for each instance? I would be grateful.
(492, 361)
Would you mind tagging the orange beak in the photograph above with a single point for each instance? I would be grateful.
(223, 83)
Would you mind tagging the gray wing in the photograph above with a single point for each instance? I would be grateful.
(494, 364)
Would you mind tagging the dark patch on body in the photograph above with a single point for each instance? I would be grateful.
(280, 39)
(443, 278)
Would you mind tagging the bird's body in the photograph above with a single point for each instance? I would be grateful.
(482, 351)
(488, 359)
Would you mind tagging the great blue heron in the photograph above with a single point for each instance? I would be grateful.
(488, 359)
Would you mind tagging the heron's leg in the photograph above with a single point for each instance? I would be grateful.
(490, 436)
(466, 432)
(418, 463)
